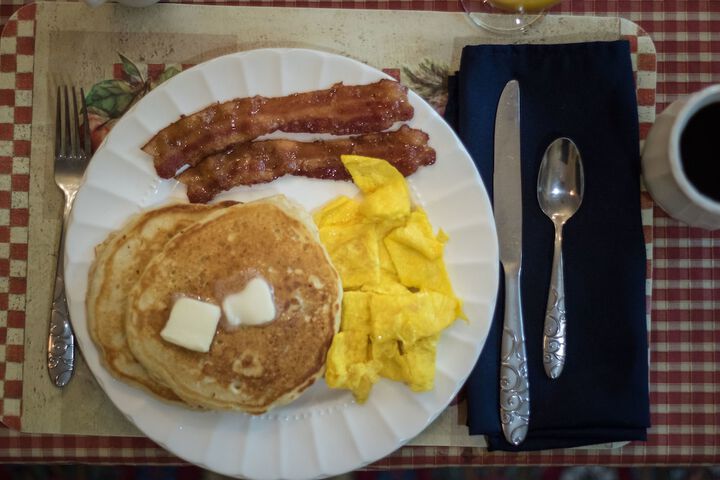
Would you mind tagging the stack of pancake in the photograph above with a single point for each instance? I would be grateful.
(208, 252)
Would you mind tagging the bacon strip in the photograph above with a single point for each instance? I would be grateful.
(264, 161)
(339, 110)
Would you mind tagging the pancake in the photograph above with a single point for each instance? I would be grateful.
(119, 261)
(248, 368)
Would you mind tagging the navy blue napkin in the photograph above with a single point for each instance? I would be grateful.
(586, 92)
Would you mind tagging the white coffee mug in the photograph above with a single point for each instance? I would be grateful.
(128, 3)
(662, 165)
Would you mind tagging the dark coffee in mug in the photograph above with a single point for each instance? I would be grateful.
(700, 150)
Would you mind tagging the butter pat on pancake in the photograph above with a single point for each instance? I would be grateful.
(254, 305)
(118, 263)
(192, 324)
(248, 368)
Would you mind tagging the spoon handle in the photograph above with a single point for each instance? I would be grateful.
(514, 385)
(554, 339)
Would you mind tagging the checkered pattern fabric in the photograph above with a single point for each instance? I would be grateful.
(685, 333)
(8, 8)
(16, 81)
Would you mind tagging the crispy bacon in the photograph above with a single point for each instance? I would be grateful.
(264, 161)
(339, 110)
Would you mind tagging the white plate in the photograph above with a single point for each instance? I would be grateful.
(324, 432)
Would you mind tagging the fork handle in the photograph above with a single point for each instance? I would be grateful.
(61, 340)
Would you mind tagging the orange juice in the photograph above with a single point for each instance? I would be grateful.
(523, 5)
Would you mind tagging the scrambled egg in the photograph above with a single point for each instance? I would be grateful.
(397, 293)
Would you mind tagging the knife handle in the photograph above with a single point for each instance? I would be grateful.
(514, 385)
(554, 331)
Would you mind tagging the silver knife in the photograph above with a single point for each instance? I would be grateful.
(507, 188)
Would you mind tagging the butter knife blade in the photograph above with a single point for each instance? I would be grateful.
(507, 193)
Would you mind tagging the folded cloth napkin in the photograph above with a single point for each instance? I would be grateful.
(586, 92)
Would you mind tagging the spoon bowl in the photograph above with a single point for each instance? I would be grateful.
(560, 188)
(561, 180)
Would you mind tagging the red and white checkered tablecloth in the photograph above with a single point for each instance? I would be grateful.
(685, 333)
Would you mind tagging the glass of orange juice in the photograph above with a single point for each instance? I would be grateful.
(506, 16)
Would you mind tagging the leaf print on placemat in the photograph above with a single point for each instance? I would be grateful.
(131, 70)
(429, 80)
(109, 99)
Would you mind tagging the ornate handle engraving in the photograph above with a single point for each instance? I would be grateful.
(514, 385)
(61, 341)
(554, 338)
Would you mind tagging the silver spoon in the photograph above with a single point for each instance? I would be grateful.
(560, 186)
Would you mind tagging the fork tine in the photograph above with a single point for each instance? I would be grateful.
(67, 132)
(58, 124)
(76, 125)
(86, 127)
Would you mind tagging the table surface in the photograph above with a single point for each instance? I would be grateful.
(685, 332)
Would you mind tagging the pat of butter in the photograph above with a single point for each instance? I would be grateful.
(192, 324)
(253, 306)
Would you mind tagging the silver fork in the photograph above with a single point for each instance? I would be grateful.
(72, 153)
